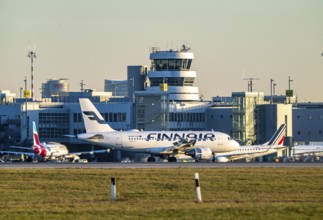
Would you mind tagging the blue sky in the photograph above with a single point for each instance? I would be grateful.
(231, 40)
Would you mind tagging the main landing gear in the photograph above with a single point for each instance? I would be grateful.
(172, 159)
(152, 159)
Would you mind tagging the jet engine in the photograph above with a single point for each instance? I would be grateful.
(200, 153)
(43, 153)
(37, 150)
(222, 159)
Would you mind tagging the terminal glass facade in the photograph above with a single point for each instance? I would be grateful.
(53, 125)
(244, 117)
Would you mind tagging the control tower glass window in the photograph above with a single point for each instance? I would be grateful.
(178, 81)
(171, 64)
(188, 81)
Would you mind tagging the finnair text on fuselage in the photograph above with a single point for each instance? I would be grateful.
(180, 136)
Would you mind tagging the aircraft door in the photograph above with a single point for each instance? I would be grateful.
(118, 139)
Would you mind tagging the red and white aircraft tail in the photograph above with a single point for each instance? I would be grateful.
(38, 148)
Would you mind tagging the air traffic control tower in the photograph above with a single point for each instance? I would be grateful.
(170, 71)
(170, 101)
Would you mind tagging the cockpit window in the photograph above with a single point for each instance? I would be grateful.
(229, 138)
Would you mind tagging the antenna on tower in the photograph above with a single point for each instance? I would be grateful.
(250, 82)
(32, 55)
(82, 86)
(184, 48)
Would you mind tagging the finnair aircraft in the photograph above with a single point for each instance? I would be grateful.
(165, 144)
(275, 143)
(49, 151)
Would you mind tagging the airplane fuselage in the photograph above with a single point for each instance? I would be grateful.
(54, 150)
(154, 141)
(307, 150)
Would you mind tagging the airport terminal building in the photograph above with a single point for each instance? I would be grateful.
(161, 97)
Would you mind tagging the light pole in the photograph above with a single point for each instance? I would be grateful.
(274, 89)
(271, 91)
(26, 106)
(289, 82)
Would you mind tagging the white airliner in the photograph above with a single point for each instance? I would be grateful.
(50, 150)
(275, 143)
(156, 143)
(307, 150)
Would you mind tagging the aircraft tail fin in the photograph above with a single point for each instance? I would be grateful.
(93, 120)
(35, 135)
(37, 147)
(278, 138)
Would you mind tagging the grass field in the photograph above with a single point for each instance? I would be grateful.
(230, 193)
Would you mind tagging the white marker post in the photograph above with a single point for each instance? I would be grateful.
(198, 189)
(113, 189)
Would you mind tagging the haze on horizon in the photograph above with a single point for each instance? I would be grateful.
(231, 40)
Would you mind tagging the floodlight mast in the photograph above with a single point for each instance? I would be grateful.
(271, 90)
(32, 55)
(82, 86)
(289, 81)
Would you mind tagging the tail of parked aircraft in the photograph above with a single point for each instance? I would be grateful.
(35, 135)
(37, 147)
(93, 120)
(278, 138)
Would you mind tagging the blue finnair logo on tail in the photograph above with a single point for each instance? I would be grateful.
(92, 116)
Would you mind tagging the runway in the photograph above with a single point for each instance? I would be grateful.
(155, 165)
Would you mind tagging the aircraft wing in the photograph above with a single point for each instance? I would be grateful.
(242, 155)
(178, 146)
(24, 148)
(17, 152)
(237, 157)
(88, 152)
